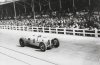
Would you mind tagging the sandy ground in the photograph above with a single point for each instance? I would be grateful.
(73, 50)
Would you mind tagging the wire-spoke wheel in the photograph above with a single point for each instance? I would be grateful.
(55, 42)
(21, 43)
(42, 46)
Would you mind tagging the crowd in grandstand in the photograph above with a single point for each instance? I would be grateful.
(69, 21)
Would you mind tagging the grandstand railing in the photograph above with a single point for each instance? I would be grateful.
(65, 31)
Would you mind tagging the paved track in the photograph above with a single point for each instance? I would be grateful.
(73, 50)
(22, 57)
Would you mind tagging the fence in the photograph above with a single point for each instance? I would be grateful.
(65, 31)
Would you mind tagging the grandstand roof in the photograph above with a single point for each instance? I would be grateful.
(6, 6)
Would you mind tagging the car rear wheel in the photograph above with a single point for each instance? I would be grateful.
(21, 43)
(55, 42)
(42, 47)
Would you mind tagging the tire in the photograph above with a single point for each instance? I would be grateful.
(22, 44)
(55, 42)
(42, 47)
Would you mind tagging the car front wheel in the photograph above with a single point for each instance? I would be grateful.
(42, 47)
(21, 43)
(55, 42)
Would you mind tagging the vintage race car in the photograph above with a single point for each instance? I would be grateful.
(40, 41)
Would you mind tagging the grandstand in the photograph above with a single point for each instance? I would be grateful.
(77, 14)
(24, 7)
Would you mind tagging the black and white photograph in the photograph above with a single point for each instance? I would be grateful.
(49, 32)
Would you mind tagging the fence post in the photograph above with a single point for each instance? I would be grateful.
(73, 31)
(96, 32)
(49, 30)
(37, 29)
(64, 31)
(83, 32)
(43, 29)
(56, 30)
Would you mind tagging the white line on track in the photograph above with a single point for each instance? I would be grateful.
(14, 58)
(22, 57)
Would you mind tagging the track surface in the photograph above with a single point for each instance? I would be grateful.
(22, 57)
(73, 50)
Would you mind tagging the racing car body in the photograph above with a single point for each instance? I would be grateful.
(42, 42)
